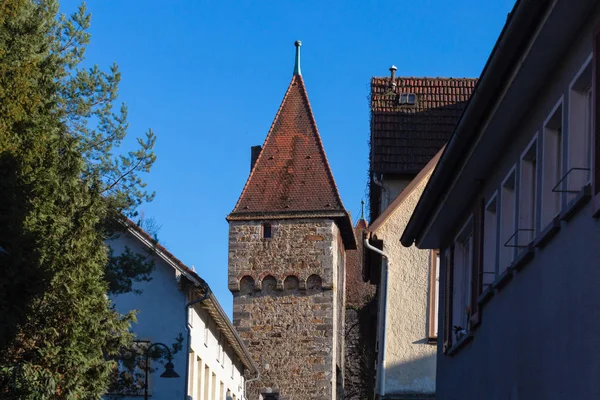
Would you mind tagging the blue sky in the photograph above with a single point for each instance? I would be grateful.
(209, 76)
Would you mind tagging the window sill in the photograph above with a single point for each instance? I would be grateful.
(503, 279)
(584, 195)
(522, 259)
(485, 296)
(460, 343)
(547, 233)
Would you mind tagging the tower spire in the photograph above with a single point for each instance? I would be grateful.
(362, 209)
(297, 71)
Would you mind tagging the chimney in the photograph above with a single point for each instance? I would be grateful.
(254, 152)
(393, 75)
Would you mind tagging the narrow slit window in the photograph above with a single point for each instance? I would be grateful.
(580, 131)
(434, 290)
(461, 291)
(507, 222)
(527, 196)
(267, 231)
(552, 167)
(490, 243)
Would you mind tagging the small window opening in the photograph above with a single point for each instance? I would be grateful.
(408, 98)
(266, 230)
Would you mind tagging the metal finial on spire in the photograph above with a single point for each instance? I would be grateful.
(362, 209)
(297, 71)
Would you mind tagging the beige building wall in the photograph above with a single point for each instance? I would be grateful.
(407, 358)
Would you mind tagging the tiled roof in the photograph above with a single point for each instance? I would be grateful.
(405, 137)
(291, 177)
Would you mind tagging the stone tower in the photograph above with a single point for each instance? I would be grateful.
(288, 235)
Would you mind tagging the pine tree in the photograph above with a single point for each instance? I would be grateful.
(61, 191)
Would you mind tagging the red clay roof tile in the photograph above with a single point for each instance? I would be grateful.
(405, 137)
(291, 176)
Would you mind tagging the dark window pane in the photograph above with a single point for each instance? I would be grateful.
(267, 231)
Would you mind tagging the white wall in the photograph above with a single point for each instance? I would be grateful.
(204, 359)
(160, 317)
(409, 358)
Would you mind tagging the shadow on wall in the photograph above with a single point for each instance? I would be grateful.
(359, 351)
(411, 378)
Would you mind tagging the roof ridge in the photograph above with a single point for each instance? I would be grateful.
(426, 77)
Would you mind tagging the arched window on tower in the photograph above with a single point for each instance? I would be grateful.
(269, 284)
(266, 231)
(246, 285)
(314, 282)
(291, 283)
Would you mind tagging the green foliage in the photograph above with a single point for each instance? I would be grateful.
(126, 268)
(63, 184)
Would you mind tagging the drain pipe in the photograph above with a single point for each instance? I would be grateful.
(385, 189)
(250, 380)
(383, 318)
(207, 293)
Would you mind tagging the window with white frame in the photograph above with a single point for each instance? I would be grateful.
(434, 293)
(199, 381)
(552, 165)
(527, 195)
(221, 352)
(579, 156)
(463, 267)
(206, 329)
(192, 372)
(490, 242)
(507, 221)
(207, 374)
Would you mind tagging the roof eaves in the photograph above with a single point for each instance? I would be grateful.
(518, 26)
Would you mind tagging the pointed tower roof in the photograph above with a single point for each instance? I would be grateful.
(291, 177)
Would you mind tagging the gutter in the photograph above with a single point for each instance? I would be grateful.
(494, 72)
(381, 388)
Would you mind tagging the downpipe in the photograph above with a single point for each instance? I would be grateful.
(385, 189)
(381, 388)
(250, 380)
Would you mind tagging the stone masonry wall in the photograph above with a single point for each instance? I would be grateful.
(285, 295)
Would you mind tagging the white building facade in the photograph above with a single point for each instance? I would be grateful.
(177, 303)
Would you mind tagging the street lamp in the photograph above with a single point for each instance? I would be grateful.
(169, 368)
